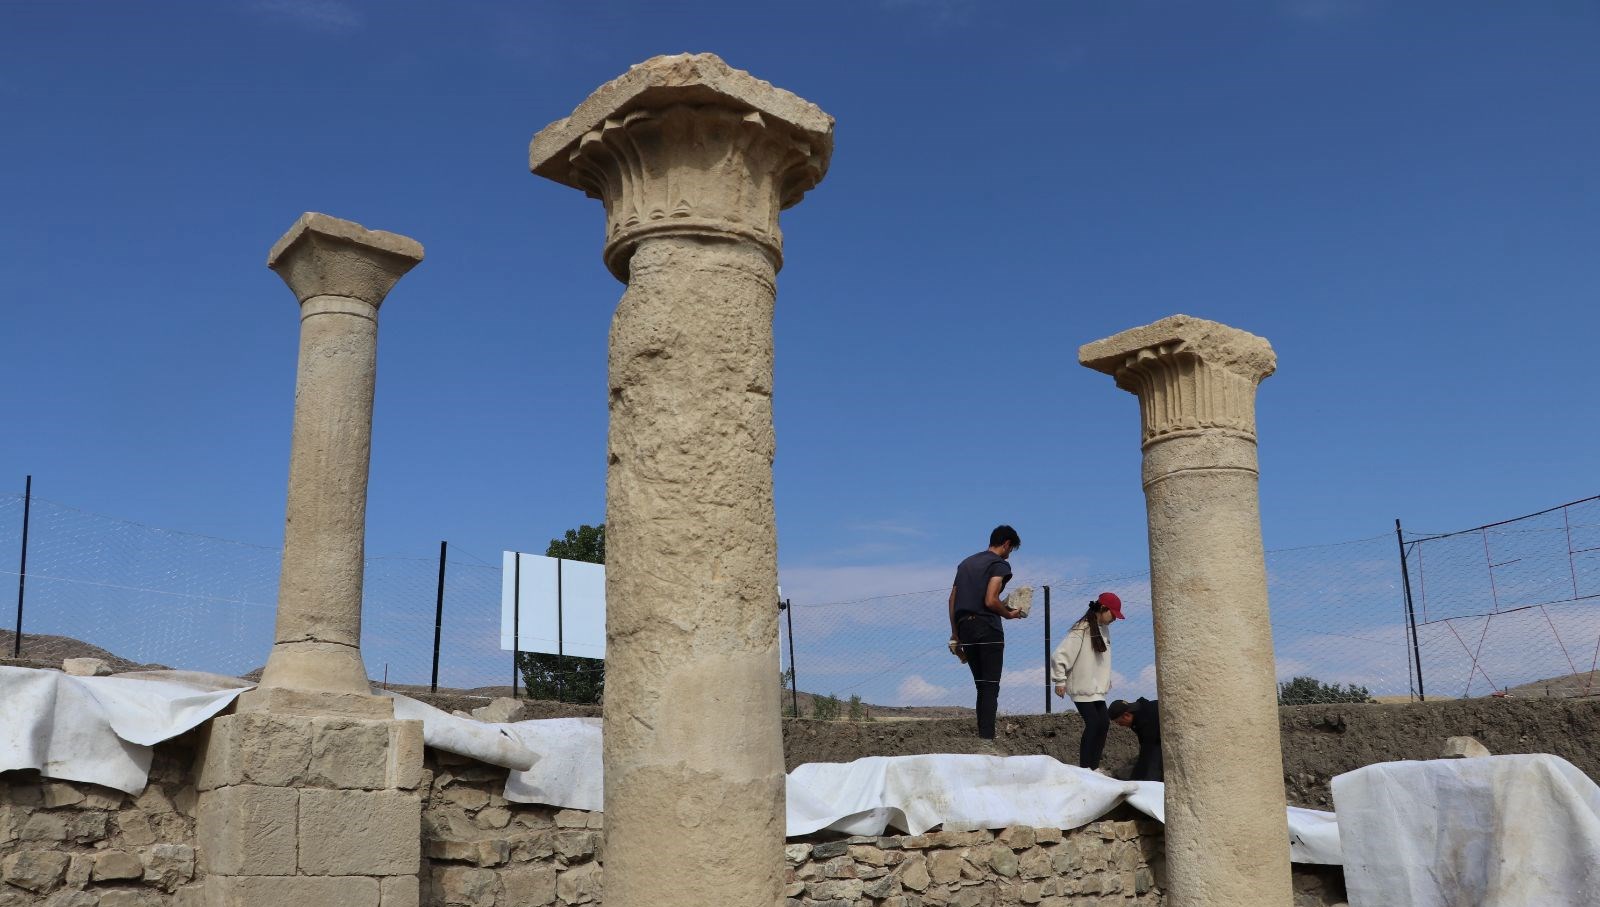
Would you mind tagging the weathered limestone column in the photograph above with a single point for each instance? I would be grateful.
(693, 160)
(309, 791)
(1227, 835)
(340, 272)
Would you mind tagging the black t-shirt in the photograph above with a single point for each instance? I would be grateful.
(972, 585)
(1147, 720)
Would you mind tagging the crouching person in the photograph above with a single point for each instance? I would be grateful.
(1143, 717)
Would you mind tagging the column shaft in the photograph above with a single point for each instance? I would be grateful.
(693, 160)
(1227, 834)
(325, 526)
(1226, 828)
(693, 744)
(340, 272)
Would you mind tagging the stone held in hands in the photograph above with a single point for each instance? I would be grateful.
(1022, 600)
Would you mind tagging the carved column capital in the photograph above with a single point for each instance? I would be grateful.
(1191, 375)
(687, 146)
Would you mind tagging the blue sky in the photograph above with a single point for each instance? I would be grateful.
(1402, 197)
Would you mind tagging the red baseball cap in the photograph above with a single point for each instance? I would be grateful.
(1110, 602)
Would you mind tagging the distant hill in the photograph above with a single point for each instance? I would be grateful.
(1585, 683)
(41, 650)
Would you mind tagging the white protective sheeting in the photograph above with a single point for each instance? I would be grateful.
(916, 793)
(569, 770)
(100, 730)
(97, 730)
(1492, 831)
(470, 737)
(1313, 833)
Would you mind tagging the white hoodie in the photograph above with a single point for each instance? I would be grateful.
(1086, 673)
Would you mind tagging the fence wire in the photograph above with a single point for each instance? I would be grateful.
(1337, 616)
(1509, 608)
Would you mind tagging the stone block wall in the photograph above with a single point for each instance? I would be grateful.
(65, 844)
(481, 851)
(79, 845)
(1112, 861)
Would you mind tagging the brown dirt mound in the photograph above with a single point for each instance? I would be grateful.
(1319, 741)
(44, 651)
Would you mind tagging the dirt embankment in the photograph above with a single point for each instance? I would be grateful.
(1319, 741)
(44, 651)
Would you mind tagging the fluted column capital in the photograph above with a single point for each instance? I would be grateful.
(1191, 375)
(329, 256)
(686, 145)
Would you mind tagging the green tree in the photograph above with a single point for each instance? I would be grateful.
(568, 678)
(825, 708)
(1310, 690)
(858, 709)
(586, 543)
(786, 682)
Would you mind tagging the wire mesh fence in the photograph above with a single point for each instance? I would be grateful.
(1509, 607)
(157, 597)
(1504, 608)
(1337, 616)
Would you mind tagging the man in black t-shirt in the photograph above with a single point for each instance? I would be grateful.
(975, 615)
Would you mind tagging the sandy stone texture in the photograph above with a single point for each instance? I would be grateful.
(1227, 838)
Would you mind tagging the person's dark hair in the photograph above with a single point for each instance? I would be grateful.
(1003, 534)
(1091, 617)
(1118, 709)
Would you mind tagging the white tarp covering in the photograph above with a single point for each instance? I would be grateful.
(479, 740)
(915, 793)
(1492, 831)
(568, 772)
(97, 730)
(100, 730)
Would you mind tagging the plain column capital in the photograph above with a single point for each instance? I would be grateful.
(328, 256)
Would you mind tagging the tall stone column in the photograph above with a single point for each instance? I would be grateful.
(1227, 833)
(309, 791)
(340, 272)
(693, 161)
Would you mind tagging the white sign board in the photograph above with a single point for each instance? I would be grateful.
(556, 606)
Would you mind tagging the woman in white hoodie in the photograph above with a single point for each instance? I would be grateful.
(1081, 668)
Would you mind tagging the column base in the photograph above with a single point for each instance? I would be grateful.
(295, 809)
(319, 666)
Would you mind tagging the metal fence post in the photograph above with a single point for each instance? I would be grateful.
(1411, 611)
(561, 656)
(516, 618)
(1047, 650)
(438, 618)
(787, 606)
(22, 571)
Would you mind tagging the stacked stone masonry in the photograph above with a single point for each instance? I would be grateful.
(64, 844)
(481, 851)
(308, 810)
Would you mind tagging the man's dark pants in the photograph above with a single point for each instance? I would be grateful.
(985, 648)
